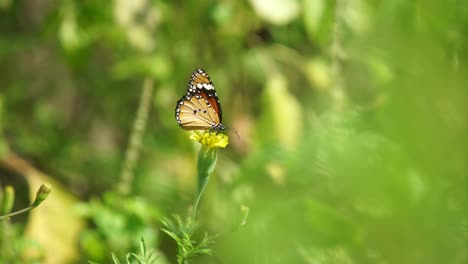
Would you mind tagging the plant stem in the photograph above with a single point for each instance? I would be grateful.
(133, 150)
(24, 210)
(41, 195)
(337, 54)
(205, 166)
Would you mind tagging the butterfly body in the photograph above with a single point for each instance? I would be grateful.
(199, 108)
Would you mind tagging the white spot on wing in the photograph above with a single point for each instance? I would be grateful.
(208, 86)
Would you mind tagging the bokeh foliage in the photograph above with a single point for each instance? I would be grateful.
(351, 116)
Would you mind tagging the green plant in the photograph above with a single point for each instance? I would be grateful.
(119, 221)
(13, 243)
(145, 257)
(41, 195)
(207, 157)
(183, 233)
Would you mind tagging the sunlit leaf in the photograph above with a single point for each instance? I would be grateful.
(318, 19)
(278, 12)
(283, 111)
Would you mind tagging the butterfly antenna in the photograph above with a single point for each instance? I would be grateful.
(234, 131)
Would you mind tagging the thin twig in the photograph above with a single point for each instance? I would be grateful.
(337, 54)
(133, 150)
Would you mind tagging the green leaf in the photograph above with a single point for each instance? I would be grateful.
(319, 19)
(278, 12)
(115, 259)
(143, 247)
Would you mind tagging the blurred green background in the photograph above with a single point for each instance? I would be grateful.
(351, 115)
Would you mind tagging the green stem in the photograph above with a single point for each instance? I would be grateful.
(205, 166)
(133, 150)
(41, 195)
(24, 210)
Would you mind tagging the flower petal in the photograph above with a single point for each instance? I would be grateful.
(211, 139)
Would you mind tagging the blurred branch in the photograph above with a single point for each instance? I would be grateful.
(133, 150)
(337, 54)
(15, 163)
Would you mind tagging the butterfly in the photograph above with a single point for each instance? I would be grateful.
(199, 108)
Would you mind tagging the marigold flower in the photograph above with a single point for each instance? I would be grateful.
(211, 139)
(207, 157)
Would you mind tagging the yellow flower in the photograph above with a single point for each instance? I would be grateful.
(211, 139)
(207, 157)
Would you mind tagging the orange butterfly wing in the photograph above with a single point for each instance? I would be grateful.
(199, 109)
